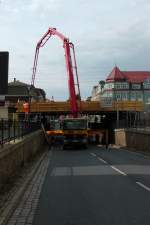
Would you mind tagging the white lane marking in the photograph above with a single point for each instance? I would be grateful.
(102, 160)
(93, 154)
(119, 171)
(143, 186)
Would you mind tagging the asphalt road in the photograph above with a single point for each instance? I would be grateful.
(95, 187)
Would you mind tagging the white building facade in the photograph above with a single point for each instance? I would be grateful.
(124, 86)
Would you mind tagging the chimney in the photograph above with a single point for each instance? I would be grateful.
(14, 80)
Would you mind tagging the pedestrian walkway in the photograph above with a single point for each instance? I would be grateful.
(24, 213)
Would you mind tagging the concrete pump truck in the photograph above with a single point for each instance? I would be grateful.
(74, 129)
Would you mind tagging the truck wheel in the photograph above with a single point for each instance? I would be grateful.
(84, 146)
(64, 147)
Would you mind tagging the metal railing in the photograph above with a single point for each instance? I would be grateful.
(136, 124)
(12, 130)
(142, 125)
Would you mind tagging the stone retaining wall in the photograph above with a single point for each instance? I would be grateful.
(14, 155)
(132, 138)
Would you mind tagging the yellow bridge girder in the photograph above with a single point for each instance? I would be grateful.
(86, 106)
(127, 106)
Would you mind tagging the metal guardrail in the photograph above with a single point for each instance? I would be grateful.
(12, 130)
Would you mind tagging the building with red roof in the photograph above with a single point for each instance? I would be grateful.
(129, 76)
(124, 86)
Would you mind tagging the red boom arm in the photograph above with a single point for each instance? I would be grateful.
(69, 65)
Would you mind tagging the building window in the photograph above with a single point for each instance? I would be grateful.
(146, 86)
(146, 83)
(118, 96)
(147, 96)
(124, 96)
(117, 85)
(136, 96)
(133, 96)
(107, 94)
(136, 86)
(121, 85)
(125, 86)
(109, 86)
(139, 97)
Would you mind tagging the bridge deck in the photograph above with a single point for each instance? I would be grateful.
(86, 106)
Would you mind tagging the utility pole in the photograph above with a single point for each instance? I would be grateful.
(117, 117)
(117, 114)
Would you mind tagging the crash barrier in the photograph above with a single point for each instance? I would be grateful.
(14, 129)
(14, 155)
(133, 138)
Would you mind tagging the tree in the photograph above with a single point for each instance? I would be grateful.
(102, 84)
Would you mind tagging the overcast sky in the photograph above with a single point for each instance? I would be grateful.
(105, 33)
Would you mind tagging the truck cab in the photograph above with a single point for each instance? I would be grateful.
(75, 132)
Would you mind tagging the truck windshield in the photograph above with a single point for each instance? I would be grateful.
(74, 125)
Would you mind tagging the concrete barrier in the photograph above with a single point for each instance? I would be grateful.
(14, 155)
(132, 138)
